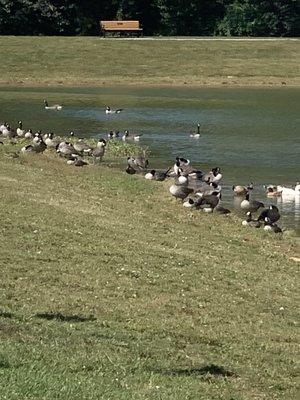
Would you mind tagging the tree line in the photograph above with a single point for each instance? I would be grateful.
(158, 17)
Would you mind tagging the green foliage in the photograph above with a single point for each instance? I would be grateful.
(168, 17)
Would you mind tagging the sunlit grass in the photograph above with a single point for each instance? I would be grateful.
(110, 289)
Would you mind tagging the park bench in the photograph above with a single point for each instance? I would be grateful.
(122, 28)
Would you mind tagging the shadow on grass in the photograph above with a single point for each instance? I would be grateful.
(211, 369)
(64, 318)
(5, 314)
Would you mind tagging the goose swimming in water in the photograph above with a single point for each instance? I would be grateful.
(108, 110)
(242, 190)
(196, 135)
(55, 107)
(128, 136)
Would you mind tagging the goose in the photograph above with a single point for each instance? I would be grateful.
(222, 210)
(3, 125)
(139, 161)
(157, 175)
(55, 107)
(38, 136)
(130, 170)
(51, 141)
(271, 227)
(99, 151)
(8, 132)
(113, 135)
(196, 135)
(108, 110)
(127, 136)
(271, 190)
(180, 190)
(20, 131)
(189, 203)
(213, 176)
(209, 202)
(250, 205)
(29, 134)
(285, 191)
(208, 189)
(81, 147)
(272, 213)
(38, 147)
(242, 190)
(77, 162)
(250, 222)
(66, 149)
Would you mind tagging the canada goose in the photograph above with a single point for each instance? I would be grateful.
(139, 161)
(250, 222)
(242, 190)
(8, 132)
(127, 136)
(285, 191)
(38, 147)
(55, 107)
(81, 147)
(157, 175)
(51, 141)
(250, 205)
(77, 162)
(180, 191)
(208, 189)
(29, 134)
(271, 227)
(222, 210)
(208, 202)
(189, 203)
(130, 170)
(20, 131)
(3, 125)
(99, 151)
(213, 176)
(272, 213)
(66, 149)
(108, 110)
(113, 135)
(196, 135)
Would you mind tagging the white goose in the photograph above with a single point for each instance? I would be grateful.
(289, 192)
(55, 107)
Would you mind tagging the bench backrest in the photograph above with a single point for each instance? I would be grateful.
(120, 25)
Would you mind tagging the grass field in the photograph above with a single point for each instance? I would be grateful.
(111, 290)
(94, 61)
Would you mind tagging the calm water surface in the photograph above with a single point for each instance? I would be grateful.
(252, 134)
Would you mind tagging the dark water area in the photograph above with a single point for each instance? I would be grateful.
(253, 135)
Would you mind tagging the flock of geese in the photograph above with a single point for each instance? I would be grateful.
(194, 188)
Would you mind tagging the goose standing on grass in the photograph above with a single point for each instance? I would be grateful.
(8, 132)
(250, 205)
(37, 147)
(55, 107)
(180, 190)
(2, 126)
(29, 134)
(140, 161)
(81, 147)
(128, 136)
(213, 176)
(66, 149)
(20, 130)
(196, 135)
(51, 141)
(99, 151)
(209, 202)
(108, 110)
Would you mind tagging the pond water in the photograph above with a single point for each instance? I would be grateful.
(252, 134)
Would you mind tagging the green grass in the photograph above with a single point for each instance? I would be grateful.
(95, 61)
(141, 298)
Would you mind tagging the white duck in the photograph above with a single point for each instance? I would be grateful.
(55, 107)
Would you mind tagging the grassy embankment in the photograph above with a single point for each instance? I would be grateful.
(111, 290)
(94, 61)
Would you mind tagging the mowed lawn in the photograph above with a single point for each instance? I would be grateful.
(110, 289)
(96, 61)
